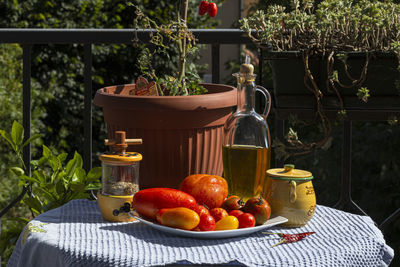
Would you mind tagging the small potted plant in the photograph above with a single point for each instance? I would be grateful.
(330, 55)
(179, 119)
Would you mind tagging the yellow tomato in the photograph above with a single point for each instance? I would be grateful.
(182, 218)
(227, 223)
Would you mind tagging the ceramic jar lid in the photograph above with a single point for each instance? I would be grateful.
(121, 159)
(289, 173)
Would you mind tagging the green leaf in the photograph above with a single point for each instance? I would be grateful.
(17, 171)
(62, 157)
(71, 166)
(7, 136)
(54, 163)
(40, 176)
(28, 178)
(32, 138)
(60, 188)
(77, 188)
(94, 174)
(79, 160)
(79, 176)
(48, 194)
(46, 152)
(17, 133)
(33, 203)
(42, 161)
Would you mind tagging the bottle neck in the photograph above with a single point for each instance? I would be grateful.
(246, 96)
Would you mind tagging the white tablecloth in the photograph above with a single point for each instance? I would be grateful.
(76, 235)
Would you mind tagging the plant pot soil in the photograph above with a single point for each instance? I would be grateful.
(290, 91)
(181, 135)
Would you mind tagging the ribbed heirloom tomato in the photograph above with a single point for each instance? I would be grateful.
(260, 209)
(232, 203)
(210, 190)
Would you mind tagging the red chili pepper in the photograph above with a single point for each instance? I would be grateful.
(212, 9)
(203, 8)
(290, 238)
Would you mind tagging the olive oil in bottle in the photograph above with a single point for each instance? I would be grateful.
(245, 169)
(246, 150)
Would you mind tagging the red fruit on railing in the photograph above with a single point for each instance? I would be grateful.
(212, 9)
(203, 8)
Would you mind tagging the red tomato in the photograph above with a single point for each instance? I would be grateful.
(147, 202)
(260, 209)
(207, 223)
(210, 190)
(235, 213)
(203, 8)
(232, 203)
(246, 220)
(212, 9)
(200, 209)
(218, 213)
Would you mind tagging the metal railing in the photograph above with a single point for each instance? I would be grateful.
(87, 37)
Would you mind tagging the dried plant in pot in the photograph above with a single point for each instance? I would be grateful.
(338, 55)
(182, 124)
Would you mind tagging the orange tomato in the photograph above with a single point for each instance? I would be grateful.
(210, 190)
(227, 223)
(182, 218)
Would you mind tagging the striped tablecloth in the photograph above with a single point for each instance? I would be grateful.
(76, 235)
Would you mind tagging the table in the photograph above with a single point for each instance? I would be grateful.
(76, 235)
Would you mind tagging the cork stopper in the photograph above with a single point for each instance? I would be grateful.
(119, 144)
(247, 68)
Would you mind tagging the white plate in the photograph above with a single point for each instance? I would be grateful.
(213, 234)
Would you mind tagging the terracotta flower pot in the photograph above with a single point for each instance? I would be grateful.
(182, 135)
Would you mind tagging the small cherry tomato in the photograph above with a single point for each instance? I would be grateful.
(200, 209)
(212, 9)
(218, 213)
(203, 8)
(182, 218)
(232, 203)
(207, 223)
(227, 223)
(235, 213)
(246, 220)
(260, 209)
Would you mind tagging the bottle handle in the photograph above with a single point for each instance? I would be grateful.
(267, 97)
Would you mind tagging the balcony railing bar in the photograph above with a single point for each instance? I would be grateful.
(111, 36)
(26, 100)
(87, 116)
(215, 55)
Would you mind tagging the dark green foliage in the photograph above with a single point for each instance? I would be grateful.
(54, 182)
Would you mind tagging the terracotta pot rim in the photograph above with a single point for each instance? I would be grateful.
(226, 98)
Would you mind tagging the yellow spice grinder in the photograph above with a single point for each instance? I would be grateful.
(120, 178)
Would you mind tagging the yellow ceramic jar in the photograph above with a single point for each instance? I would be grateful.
(290, 193)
